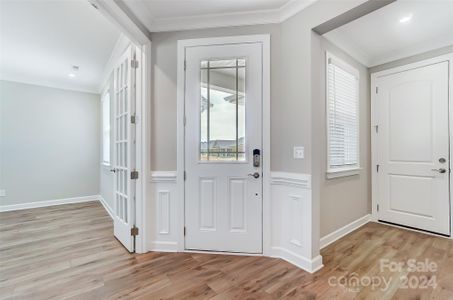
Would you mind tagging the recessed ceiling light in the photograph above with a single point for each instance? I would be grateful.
(71, 75)
(406, 19)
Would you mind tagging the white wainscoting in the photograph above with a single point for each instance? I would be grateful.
(49, 203)
(163, 211)
(292, 220)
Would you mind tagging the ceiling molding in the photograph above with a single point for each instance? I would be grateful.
(257, 17)
(48, 84)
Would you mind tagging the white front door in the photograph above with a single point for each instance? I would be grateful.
(223, 148)
(413, 148)
(124, 150)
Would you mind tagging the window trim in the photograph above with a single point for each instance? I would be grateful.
(106, 92)
(355, 169)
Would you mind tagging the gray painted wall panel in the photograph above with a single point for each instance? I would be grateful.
(49, 143)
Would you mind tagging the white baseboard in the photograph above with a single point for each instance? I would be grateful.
(106, 206)
(46, 203)
(163, 246)
(306, 264)
(339, 233)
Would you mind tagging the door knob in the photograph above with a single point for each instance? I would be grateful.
(441, 170)
(255, 175)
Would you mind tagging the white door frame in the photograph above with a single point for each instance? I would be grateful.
(182, 45)
(374, 121)
(139, 36)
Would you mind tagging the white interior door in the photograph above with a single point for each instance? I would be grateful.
(124, 150)
(223, 111)
(413, 148)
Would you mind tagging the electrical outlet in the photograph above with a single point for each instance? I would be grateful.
(299, 152)
(2, 193)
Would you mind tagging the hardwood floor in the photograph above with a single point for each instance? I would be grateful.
(69, 251)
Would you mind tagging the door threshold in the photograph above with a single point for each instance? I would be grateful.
(415, 229)
(222, 252)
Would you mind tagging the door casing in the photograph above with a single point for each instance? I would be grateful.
(141, 38)
(374, 122)
(182, 45)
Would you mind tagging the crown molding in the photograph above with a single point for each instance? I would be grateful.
(257, 17)
(48, 83)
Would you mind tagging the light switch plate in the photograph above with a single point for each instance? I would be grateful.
(299, 152)
(2, 193)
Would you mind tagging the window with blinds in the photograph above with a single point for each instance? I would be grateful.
(342, 116)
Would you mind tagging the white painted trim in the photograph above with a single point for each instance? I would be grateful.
(374, 122)
(163, 176)
(264, 39)
(107, 208)
(341, 232)
(140, 37)
(291, 179)
(47, 203)
(163, 246)
(330, 174)
(308, 265)
(255, 17)
(48, 84)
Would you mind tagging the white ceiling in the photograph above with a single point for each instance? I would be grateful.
(40, 41)
(169, 15)
(379, 37)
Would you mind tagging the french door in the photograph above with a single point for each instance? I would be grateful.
(124, 150)
(223, 143)
(413, 148)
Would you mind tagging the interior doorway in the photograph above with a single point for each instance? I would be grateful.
(411, 146)
(224, 147)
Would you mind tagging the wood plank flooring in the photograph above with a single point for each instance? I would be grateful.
(69, 252)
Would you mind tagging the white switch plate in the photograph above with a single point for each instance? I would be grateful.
(2, 193)
(299, 152)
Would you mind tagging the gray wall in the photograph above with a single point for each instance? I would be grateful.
(164, 60)
(345, 199)
(291, 101)
(49, 143)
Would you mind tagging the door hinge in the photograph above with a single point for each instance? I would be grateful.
(184, 230)
(185, 65)
(377, 90)
(133, 119)
(134, 175)
(377, 168)
(185, 175)
(377, 207)
(376, 127)
(134, 63)
(184, 120)
(134, 231)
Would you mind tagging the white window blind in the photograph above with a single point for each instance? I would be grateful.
(106, 128)
(342, 115)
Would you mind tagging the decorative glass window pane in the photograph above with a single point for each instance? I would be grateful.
(222, 110)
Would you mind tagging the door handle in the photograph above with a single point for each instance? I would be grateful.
(255, 175)
(441, 170)
(113, 170)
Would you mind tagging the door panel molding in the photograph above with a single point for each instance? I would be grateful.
(375, 125)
